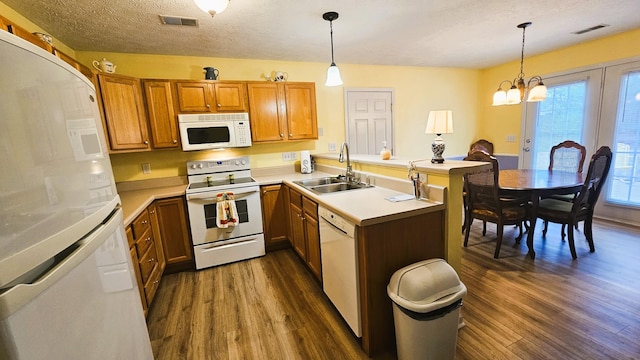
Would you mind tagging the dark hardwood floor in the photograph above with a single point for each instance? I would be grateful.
(552, 307)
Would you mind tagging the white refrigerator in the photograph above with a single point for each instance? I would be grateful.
(67, 286)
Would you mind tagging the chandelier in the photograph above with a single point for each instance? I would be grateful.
(515, 95)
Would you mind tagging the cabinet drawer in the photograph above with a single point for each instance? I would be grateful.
(310, 207)
(147, 262)
(143, 242)
(130, 240)
(151, 287)
(295, 198)
(140, 225)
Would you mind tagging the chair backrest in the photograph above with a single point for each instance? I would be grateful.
(482, 144)
(482, 186)
(596, 176)
(567, 156)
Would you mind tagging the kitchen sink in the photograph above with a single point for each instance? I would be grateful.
(327, 185)
(320, 181)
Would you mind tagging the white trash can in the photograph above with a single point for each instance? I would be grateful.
(426, 299)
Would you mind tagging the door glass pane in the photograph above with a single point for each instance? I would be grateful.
(624, 187)
(560, 117)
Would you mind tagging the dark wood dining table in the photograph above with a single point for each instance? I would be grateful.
(537, 184)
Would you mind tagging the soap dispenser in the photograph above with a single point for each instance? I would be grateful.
(385, 154)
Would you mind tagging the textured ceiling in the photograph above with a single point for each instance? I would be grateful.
(451, 33)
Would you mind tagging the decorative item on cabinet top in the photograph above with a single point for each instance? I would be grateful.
(104, 65)
(211, 73)
(276, 76)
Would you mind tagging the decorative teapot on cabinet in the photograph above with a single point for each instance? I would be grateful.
(104, 65)
(211, 73)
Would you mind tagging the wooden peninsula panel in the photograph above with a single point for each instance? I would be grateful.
(382, 250)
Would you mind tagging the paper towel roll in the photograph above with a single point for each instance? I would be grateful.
(305, 162)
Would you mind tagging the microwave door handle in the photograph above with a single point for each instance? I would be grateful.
(207, 195)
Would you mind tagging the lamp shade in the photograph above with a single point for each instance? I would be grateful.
(538, 93)
(333, 76)
(440, 122)
(212, 6)
(513, 96)
(499, 98)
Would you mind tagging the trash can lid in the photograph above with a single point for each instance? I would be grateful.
(425, 286)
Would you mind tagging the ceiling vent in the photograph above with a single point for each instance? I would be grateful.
(176, 20)
(584, 31)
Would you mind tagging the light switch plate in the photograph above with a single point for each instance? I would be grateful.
(332, 146)
(146, 168)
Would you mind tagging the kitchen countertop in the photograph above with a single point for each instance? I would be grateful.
(362, 206)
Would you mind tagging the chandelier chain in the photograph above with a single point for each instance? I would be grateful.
(521, 76)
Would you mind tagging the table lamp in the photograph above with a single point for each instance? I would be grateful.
(439, 122)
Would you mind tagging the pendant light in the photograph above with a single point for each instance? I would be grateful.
(333, 73)
(515, 95)
(212, 6)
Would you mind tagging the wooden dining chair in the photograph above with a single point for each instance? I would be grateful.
(485, 202)
(482, 144)
(567, 156)
(582, 206)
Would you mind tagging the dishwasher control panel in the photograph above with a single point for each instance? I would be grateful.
(336, 220)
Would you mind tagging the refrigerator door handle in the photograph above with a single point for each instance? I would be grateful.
(17, 296)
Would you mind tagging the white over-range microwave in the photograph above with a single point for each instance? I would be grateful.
(214, 131)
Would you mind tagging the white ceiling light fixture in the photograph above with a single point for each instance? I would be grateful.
(212, 7)
(515, 95)
(333, 73)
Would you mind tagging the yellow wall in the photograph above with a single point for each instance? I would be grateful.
(495, 123)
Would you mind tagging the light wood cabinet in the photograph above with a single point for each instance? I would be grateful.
(163, 122)
(274, 218)
(148, 265)
(173, 229)
(78, 66)
(26, 35)
(210, 96)
(282, 111)
(124, 113)
(304, 233)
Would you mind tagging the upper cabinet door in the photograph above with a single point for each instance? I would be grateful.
(124, 112)
(162, 118)
(230, 96)
(282, 111)
(267, 114)
(194, 96)
(302, 123)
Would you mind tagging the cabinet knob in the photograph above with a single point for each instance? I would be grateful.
(208, 106)
(175, 141)
(219, 105)
(152, 260)
(146, 142)
(281, 135)
(148, 240)
(153, 211)
(290, 135)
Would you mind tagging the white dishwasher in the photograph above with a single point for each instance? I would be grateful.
(340, 266)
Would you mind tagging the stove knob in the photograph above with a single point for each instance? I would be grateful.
(237, 162)
(200, 166)
(243, 162)
(193, 166)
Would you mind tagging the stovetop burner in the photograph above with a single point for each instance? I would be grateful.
(213, 184)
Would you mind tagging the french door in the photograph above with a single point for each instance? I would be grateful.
(620, 130)
(570, 112)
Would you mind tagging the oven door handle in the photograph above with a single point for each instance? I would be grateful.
(209, 196)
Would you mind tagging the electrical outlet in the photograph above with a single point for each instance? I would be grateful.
(146, 168)
(511, 138)
(288, 156)
(332, 146)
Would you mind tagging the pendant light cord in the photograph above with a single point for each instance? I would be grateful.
(333, 63)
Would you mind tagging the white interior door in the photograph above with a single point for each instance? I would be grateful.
(570, 112)
(369, 120)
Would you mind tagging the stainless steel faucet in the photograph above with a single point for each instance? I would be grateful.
(349, 175)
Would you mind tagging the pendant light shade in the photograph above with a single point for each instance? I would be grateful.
(333, 73)
(212, 6)
(515, 95)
